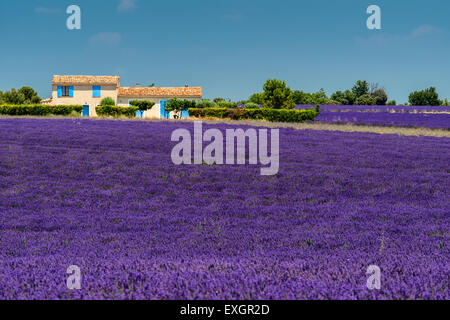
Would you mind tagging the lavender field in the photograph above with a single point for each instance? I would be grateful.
(416, 120)
(385, 108)
(104, 195)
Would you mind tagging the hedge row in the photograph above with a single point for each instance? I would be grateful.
(114, 111)
(39, 110)
(274, 115)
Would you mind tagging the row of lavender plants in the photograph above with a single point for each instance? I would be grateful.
(401, 109)
(418, 120)
(140, 227)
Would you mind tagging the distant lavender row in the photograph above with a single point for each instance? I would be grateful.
(405, 109)
(105, 195)
(426, 120)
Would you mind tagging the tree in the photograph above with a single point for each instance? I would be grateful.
(13, 97)
(25, 95)
(205, 103)
(301, 97)
(218, 100)
(257, 98)
(366, 100)
(427, 97)
(108, 101)
(178, 105)
(391, 103)
(143, 105)
(360, 88)
(380, 96)
(28, 93)
(277, 95)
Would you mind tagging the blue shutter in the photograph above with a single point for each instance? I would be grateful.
(59, 92)
(184, 114)
(163, 110)
(71, 91)
(96, 90)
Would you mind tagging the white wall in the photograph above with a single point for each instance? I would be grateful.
(83, 95)
(155, 112)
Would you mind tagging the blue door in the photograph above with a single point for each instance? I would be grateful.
(85, 111)
(164, 113)
(184, 114)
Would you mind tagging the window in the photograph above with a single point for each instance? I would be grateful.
(65, 91)
(96, 91)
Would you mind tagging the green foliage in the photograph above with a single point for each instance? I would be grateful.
(380, 96)
(205, 103)
(23, 96)
(366, 100)
(346, 98)
(178, 105)
(108, 101)
(273, 115)
(319, 97)
(39, 110)
(114, 111)
(217, 100)
(257, 98)
(391, 103)
(143, 105)
(277, 95)
(227, 104)
(360, 88)
(252, 105)
(427, 97)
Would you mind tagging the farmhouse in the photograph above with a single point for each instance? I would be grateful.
(89, 91)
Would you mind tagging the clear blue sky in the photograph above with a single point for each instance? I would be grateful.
(229, 47)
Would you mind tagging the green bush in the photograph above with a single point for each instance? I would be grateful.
(366, 100)
(227, 104)
(39, 110)
(251, 105)
(143, 105)
(108, 101)
(205, 103)
(273, 115)
(114, 111)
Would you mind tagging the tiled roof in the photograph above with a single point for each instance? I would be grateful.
(46, 100)
(160, 92)
(89, 80)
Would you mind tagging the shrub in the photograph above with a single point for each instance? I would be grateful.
(227, 104)
(392, 103)
(39, 110)
(142, 105)
(427, 97)
(274, 115)
(366, 100)
(205, 103)
(252, 105)
(114, 111)
(107, 102)
(178, 105)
